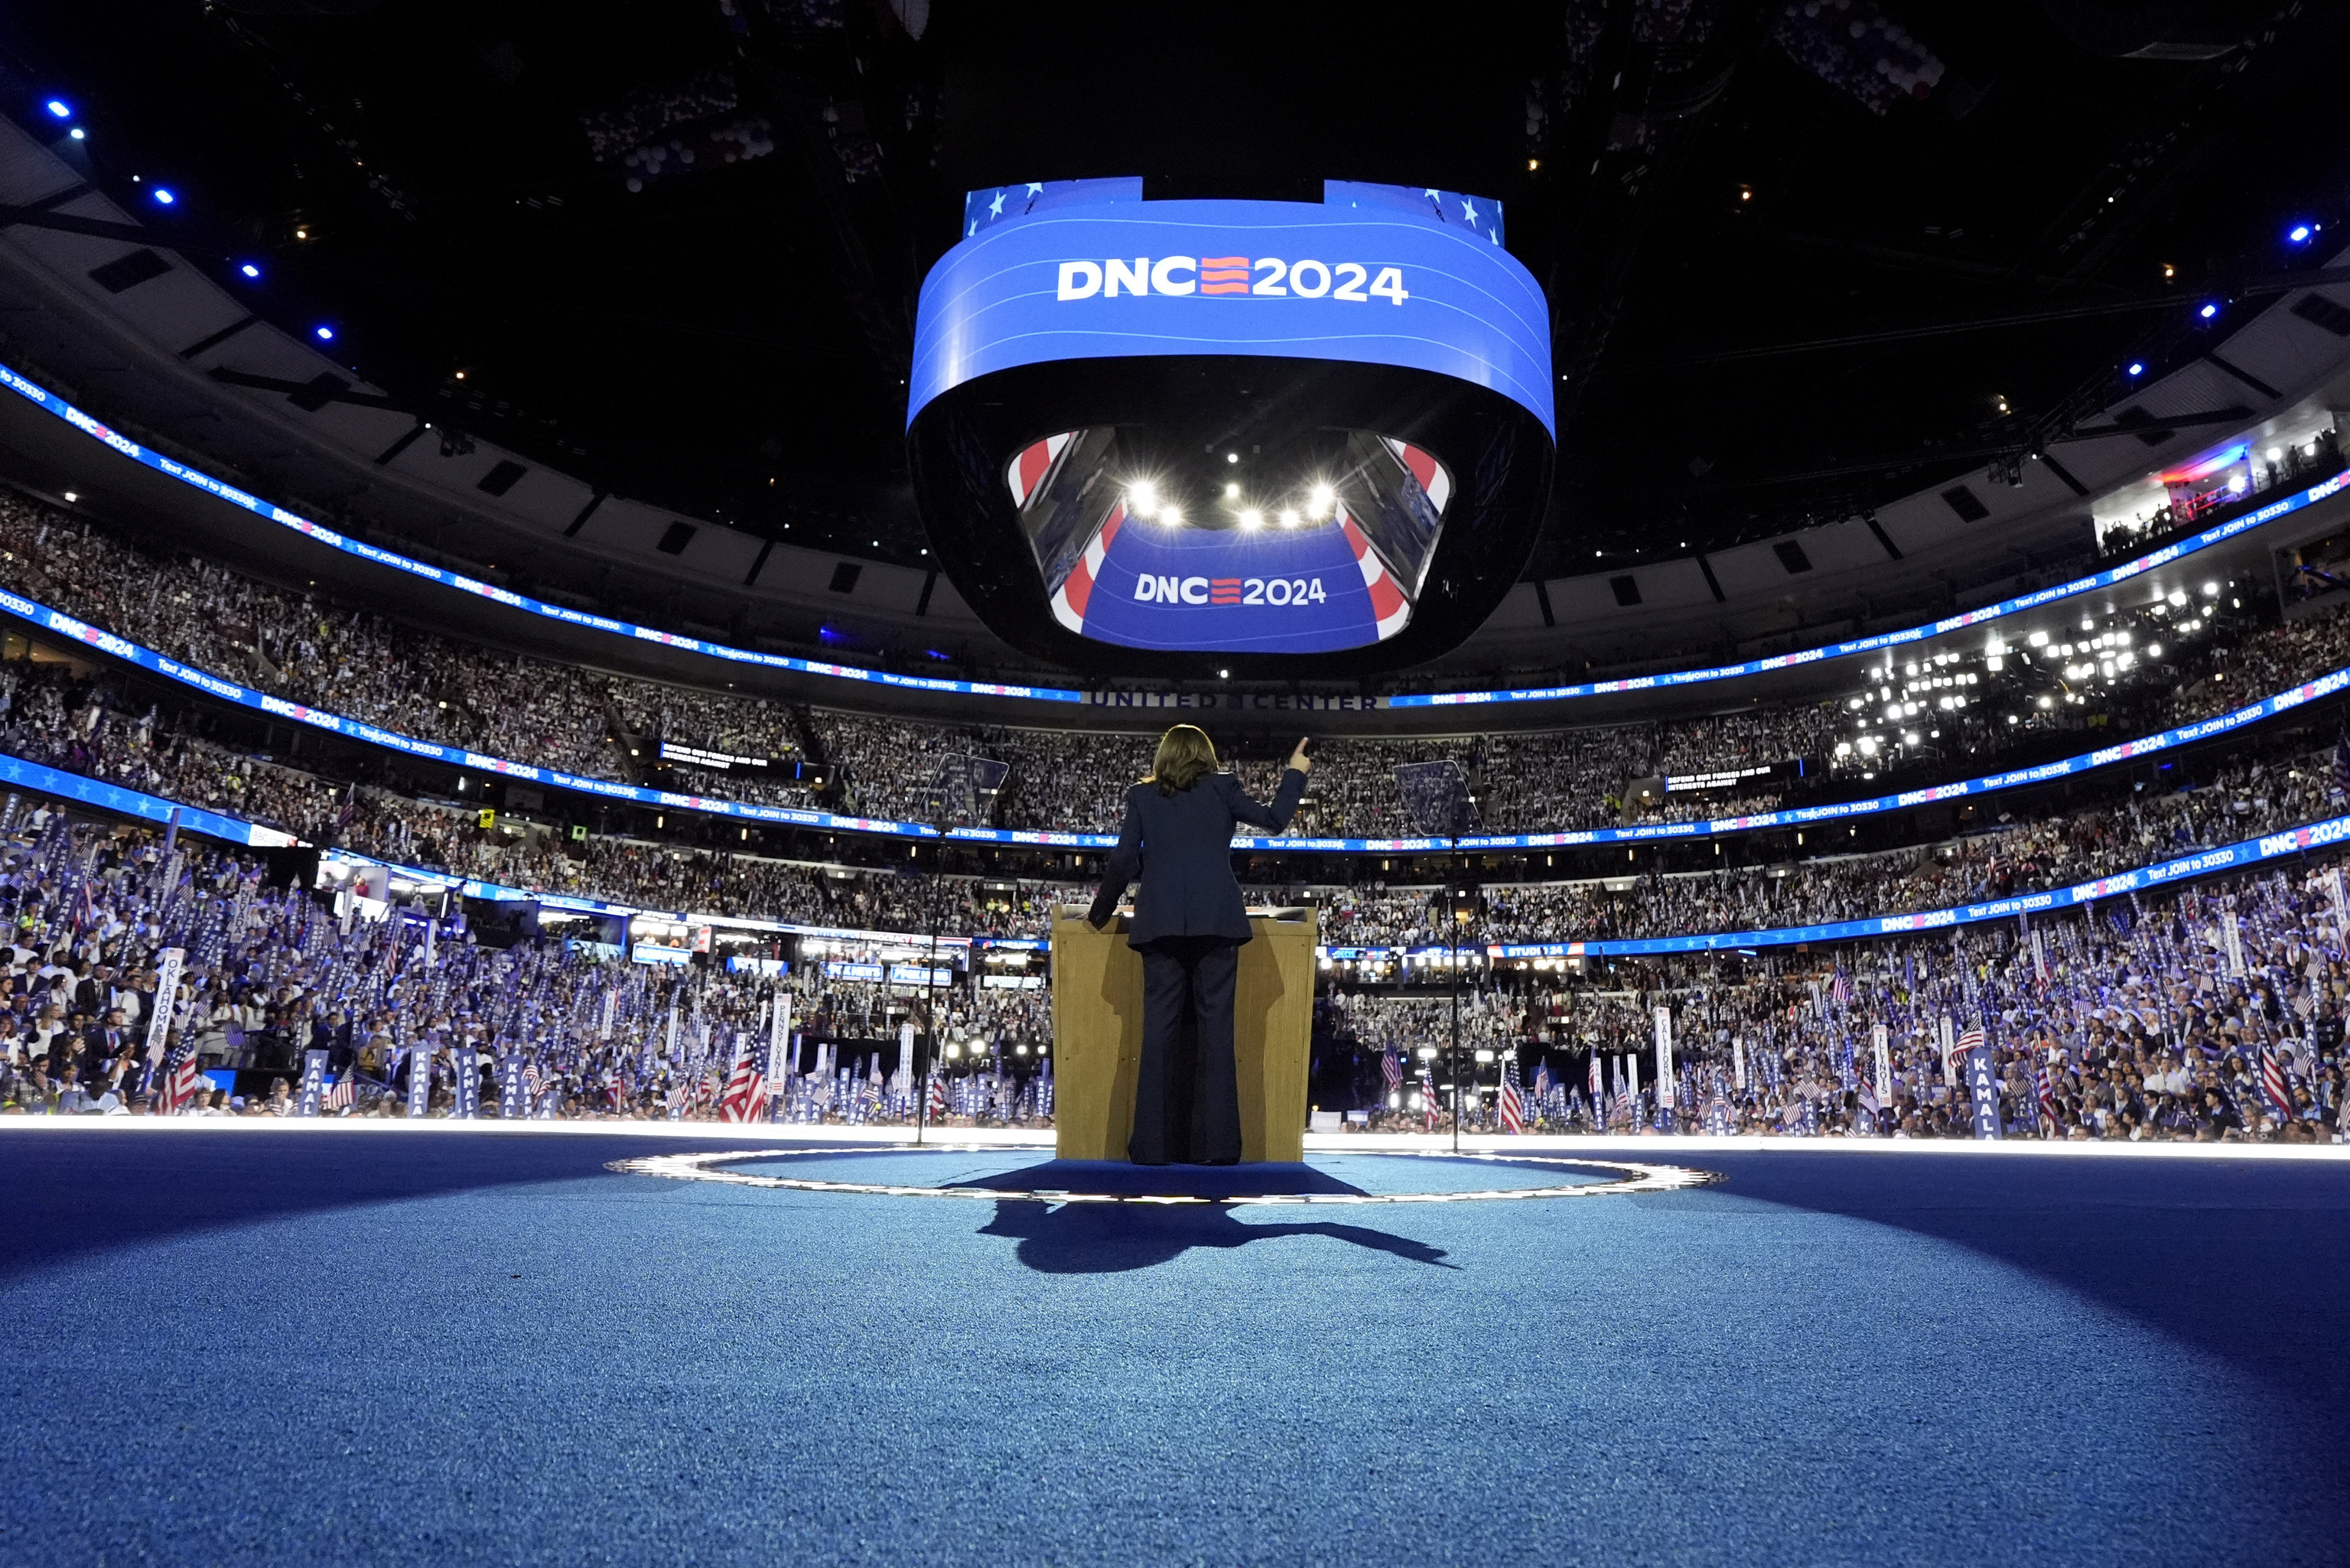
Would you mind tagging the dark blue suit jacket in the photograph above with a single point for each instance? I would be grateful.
(1180, 845)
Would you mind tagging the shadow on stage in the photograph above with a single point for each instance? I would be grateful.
(1095, 1238)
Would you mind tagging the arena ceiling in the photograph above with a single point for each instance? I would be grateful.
(1803, 258)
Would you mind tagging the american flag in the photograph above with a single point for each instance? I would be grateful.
(1513, 1105)
(2044, 1093)
(181, 1078)
(1968, 1042)
(1541, 1081)
(2341, 763)
(1427, 1097)
(1391, 1069)
(938, 1096)
(746, 1089)
(2272, 1084)
(1839, 990)
(338, 1093)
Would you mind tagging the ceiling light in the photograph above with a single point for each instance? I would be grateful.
(2138, 367)
(1251, 518)
(2298, 234)
(164, 197)
(1232, 457)
(250, 270)
(1232, 491)
(71, 497)
(2209, 311)
(325, 334)
(76, 133)
(1289, 518)
(59, 108)
(1172, 516)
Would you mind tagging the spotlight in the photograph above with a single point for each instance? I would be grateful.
(2298, 234)
(1232, 491)
(325, 334)
(59, 108)
(163, 198)
(1319, 500)
(250, 270)
(1289, 517)
(1251, 518)
(2138, 367)
(2209, 311)
(1232, 457)
(1172, 516)
(1141, 496)
(76, 133)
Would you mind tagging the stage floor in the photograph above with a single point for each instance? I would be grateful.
(286, 1345)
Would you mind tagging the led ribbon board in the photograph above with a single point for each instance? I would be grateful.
(58, 408)
(1225, 427)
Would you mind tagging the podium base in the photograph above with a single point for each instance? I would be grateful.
(1097, 1037)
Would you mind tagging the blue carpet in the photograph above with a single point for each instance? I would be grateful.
(239, 1348)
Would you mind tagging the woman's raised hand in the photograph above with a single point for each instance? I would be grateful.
(1299, 760)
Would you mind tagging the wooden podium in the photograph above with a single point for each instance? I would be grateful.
(1098, 1035)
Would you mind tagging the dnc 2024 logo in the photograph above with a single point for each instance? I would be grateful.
(1262, 277)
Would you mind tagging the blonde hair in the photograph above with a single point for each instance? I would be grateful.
(1185, 755)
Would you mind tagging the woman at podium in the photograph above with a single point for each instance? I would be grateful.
(1189, 925)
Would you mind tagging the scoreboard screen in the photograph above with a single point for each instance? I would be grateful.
(1227, 428)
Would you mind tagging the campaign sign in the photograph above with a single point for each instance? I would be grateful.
(419, 1079)
(513, 1096)
(1982, 1082)
(313, 1084)
(468, 1085)
(1371, 274)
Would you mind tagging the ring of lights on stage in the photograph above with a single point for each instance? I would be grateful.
(1199, 436)
(1625, 1179)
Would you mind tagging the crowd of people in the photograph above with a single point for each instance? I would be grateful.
(51, 713)
(2294, 463)
(2207, 1012)
(296, 645)
(2210, 1013)
(269, 975)
(2059, 851)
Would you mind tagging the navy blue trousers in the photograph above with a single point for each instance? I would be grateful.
(1187, 1107)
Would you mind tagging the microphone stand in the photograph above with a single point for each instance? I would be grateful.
(926, 1044)
(1453, 933)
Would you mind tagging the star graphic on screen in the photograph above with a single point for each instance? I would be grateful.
(995, 208)
(1035, 189)
(1469, 212)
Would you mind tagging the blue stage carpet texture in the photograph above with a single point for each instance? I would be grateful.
(294, 1348)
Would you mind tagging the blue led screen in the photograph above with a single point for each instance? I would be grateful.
(1371, 276)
